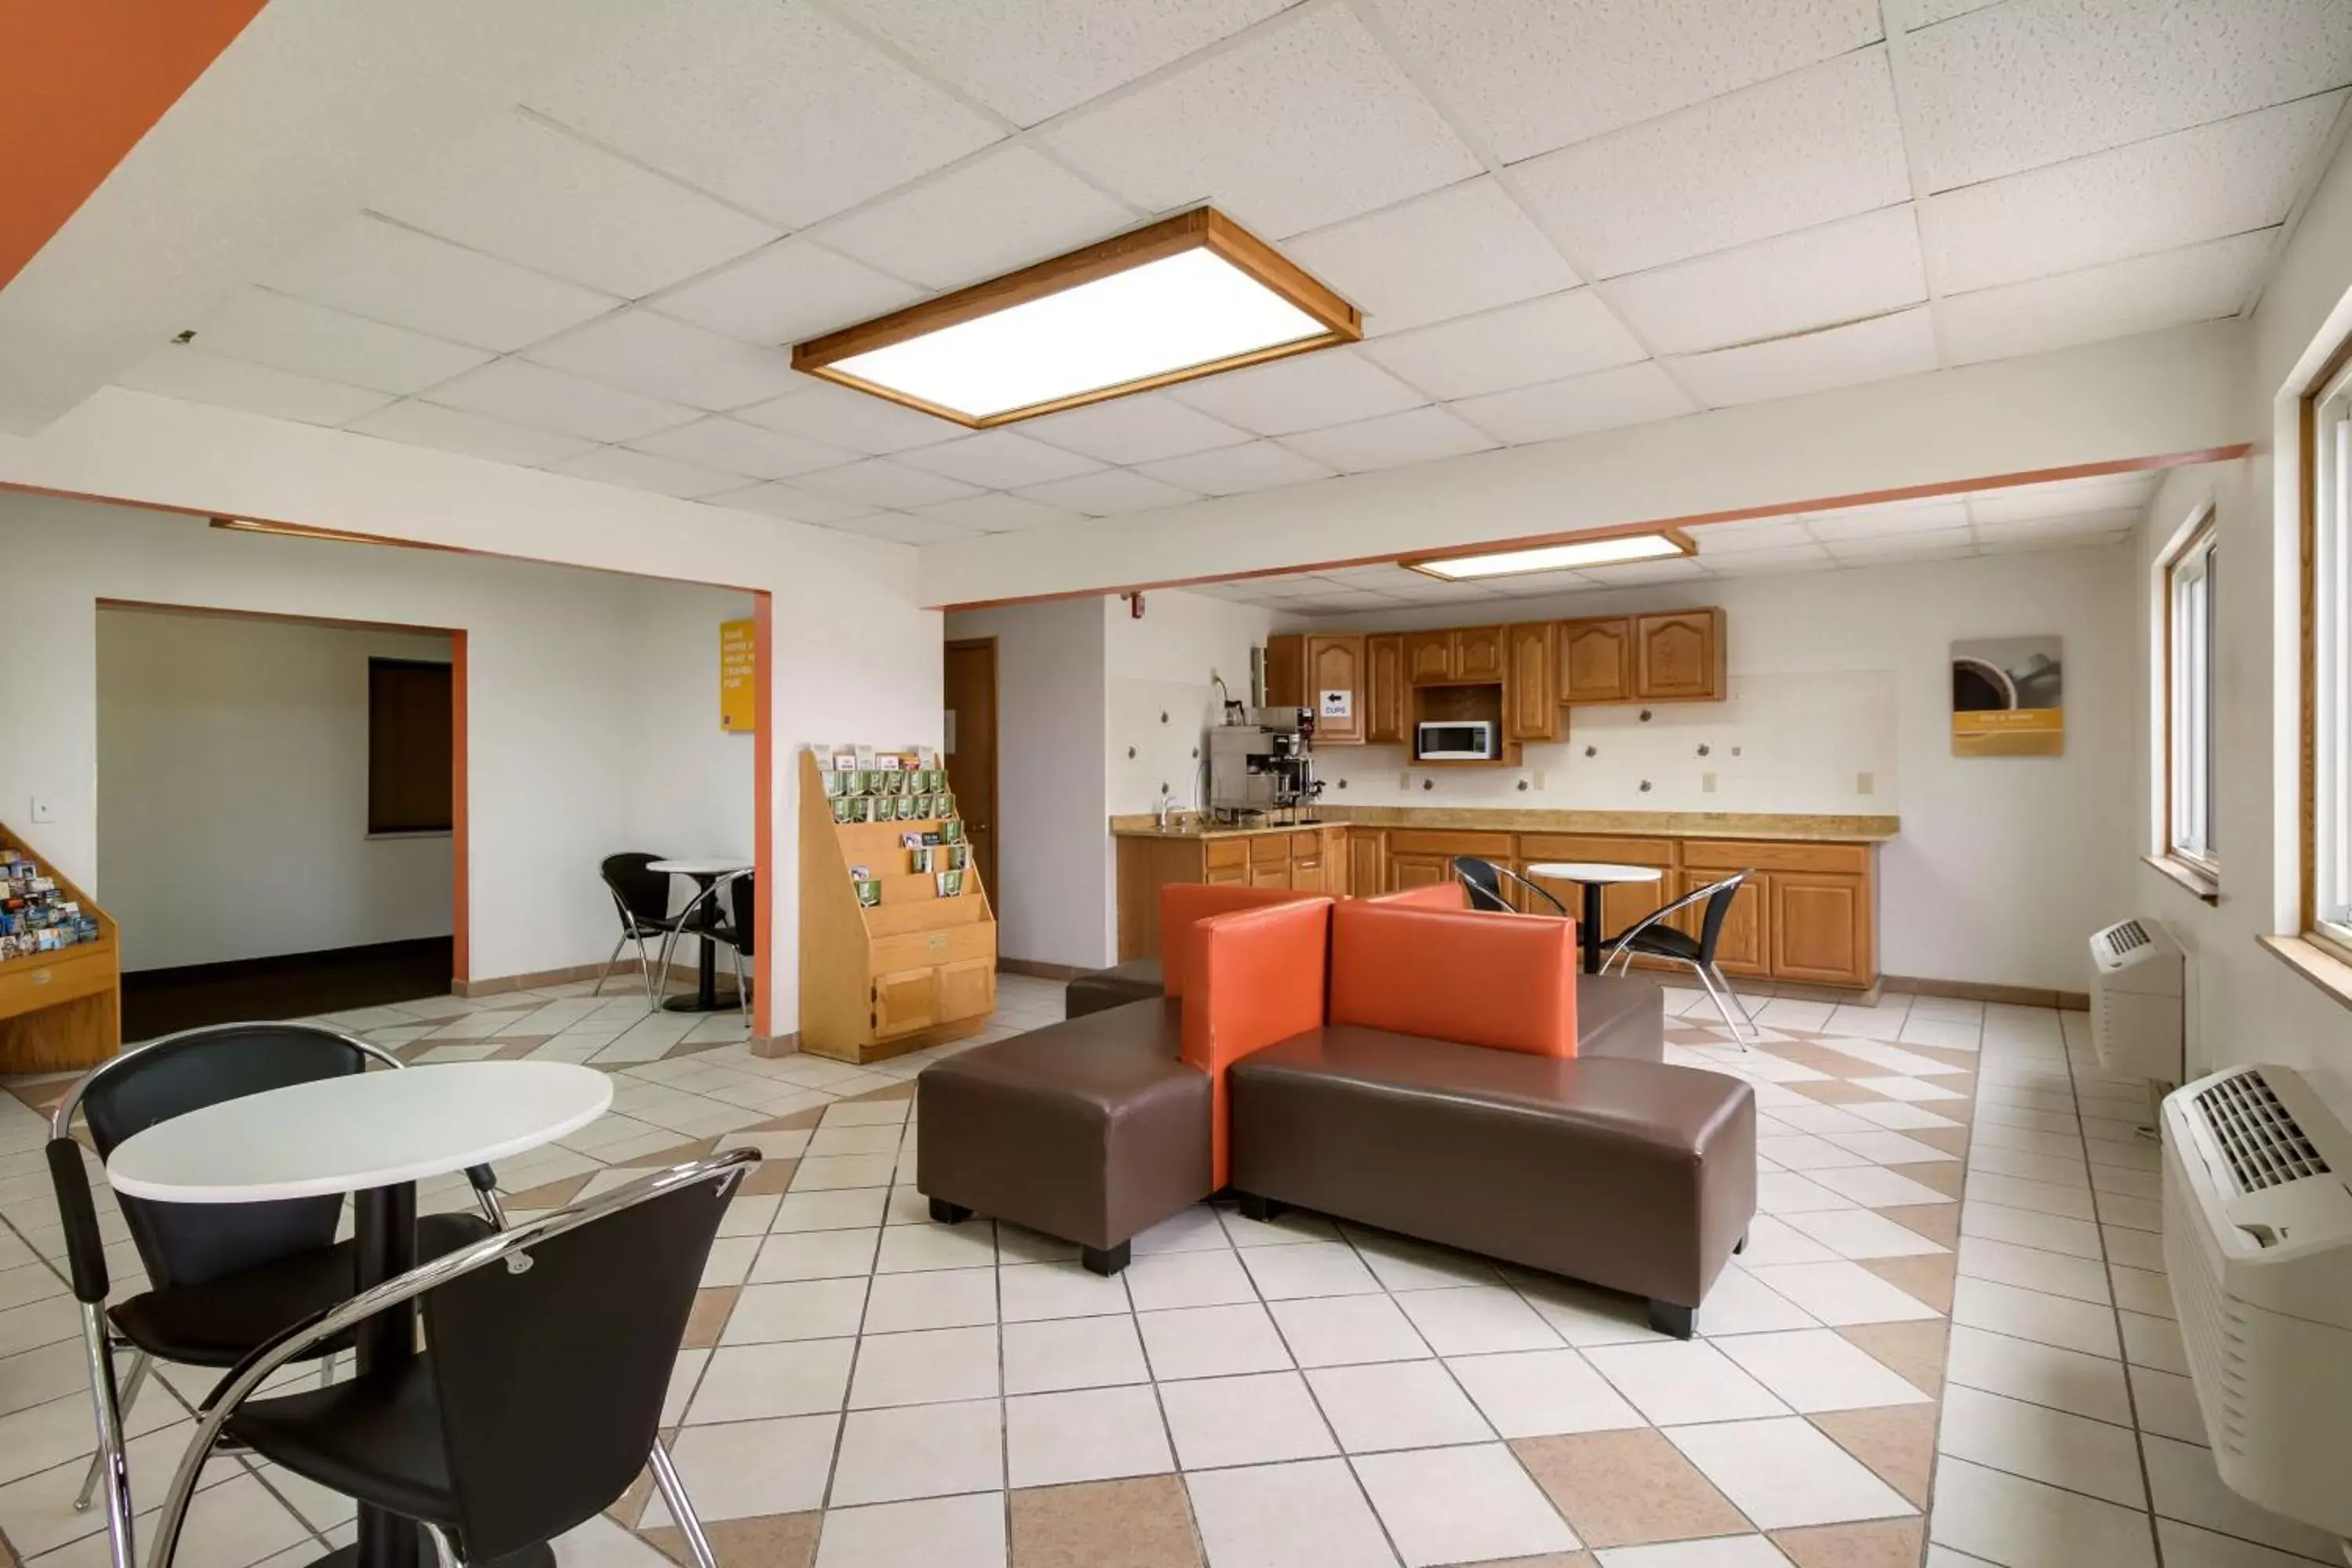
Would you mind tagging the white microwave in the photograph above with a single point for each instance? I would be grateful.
(1464, 742)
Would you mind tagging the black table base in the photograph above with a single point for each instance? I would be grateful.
(386, 1239)
(1590, 933)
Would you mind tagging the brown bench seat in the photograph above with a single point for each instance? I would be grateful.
(1630, 1174)
(1134, 981)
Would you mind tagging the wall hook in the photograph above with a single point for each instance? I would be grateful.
(1704, 749)
(1646, 786)
(1131, 753)
(1429, 784)
(1523, 784)
(1591, 751)
(1163, 716)
(1645, 715)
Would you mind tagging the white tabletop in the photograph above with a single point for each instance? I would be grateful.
(366, 1129)
(701, 865)
(1593, 872)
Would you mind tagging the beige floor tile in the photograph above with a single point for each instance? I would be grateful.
(1898, 1443)
(930, 1451)
(1455, 1505)
(1785, 1473)
(1087, 1435)
(1145, 1523)
(1883, 1543)
(1312, 1512)
(773, 1540)
(1259, 1419)
(931, 1533)
(1077, 1352)
(745, 1469)
(1625, 1489)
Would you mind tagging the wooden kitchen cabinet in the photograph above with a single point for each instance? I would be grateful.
(1367, 863)
(1301, 668)
(1428, 656)
(1479, 654)
(1678, 657)
(1820, 927)
(1596, 660)
(1744, 947)
(1622, 903)
(1410, 869)
(1305, 859)
(1531, 694)
(1384, 685)
(1468, 655)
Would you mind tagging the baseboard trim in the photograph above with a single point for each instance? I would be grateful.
(1983, 991)
(630, 970)
(776, 1045)
(1035, 969)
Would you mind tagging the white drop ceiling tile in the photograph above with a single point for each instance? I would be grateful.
(1299, 126)
(522, 189)
(1111, 492)
(904, 528)
(1681, 569)
(786, 294)
(856, 420)
(1841, 272)
(1782, 558)
(2017, 86)
(294, 335)
(739, 449)
(767, 103)
(2196, 185)
(884, 483)
(414, 423)
(2086, 525)
(1927, 13)
(2197, 283)
(1002, 211)
(1878, 349)
(1329, 386)
(638, 471)
(525, 394)
(1882, 521)
(1734, 537)
(1464, 248)
(1536, 584)
(996, 512)
(1415, 436)
(1138, 429)
(387, 273)
(194, 376)
(638, 351)
(1506, 66)
(2008, 546)
(1030, 59)
(1549, 339)
(1629, 394)
(1232, 470)
(1000, 459)
(2064, 498)
(1798, 151)
(793, 504)
(1937, 541)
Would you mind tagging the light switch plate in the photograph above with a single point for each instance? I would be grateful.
(44, 810)
(1865, 783)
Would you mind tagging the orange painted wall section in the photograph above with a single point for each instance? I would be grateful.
(461, 951)
(763, 802)
(80, 82)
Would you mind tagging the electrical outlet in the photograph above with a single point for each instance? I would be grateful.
(44, 810)
(1706, 784)
(1865, 783)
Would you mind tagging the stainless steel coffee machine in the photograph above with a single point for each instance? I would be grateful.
(1265, 767)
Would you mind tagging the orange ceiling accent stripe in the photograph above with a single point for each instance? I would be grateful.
(80, 82)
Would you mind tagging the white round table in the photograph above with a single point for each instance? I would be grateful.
(1592, 876)
(373, 1135)
(703, 870)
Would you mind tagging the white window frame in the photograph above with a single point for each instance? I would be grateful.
(2330, 669)
(2186, 603)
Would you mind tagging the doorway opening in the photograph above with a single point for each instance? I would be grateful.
(970, 737)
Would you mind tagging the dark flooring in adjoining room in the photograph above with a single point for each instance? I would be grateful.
(296, 986)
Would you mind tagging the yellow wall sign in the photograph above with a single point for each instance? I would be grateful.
(738, 687)
(2009, 698)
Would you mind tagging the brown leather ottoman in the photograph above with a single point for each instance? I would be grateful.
(1137, 980)
(1091, 1130)
(1635, 1175)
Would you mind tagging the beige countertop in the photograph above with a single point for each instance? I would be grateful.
(1778, 825)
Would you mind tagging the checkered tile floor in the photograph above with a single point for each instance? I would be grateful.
(863, 1388)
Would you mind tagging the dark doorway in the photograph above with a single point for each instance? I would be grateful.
(290, 985)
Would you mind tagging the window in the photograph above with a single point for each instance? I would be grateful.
(408, 747)
(2327, 879)
(2189, 582)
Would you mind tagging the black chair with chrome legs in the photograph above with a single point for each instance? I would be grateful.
(1654, 938)
(222, 1278)
(641, 898)
(1484, 882)
(548, 1352)
(726, 912)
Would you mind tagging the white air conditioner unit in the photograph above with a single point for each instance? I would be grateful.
(2135, 994)
(2258, 1243)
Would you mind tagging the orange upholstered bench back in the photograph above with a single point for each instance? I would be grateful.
(1504, 981)
(1183, 905)
(1446, 895)
(1254, 978)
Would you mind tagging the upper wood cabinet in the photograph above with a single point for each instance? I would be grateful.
(1299, 669)
(1596, 660)
(1678, 657)
(1428, 656)
(1462, 655)
(1531, 693)
(1479, 653)
(1384, 688)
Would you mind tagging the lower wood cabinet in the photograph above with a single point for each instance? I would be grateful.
(1307, 860)
(1744, 947)
(1820, 929)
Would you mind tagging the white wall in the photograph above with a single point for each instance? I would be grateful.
(2003, 864)
(233, 788)
(566, 717)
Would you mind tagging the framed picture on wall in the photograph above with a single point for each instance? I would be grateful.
(2009, 698)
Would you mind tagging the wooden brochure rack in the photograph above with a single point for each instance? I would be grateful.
(61, 1009)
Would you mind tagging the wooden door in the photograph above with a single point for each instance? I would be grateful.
(1269, 860)
(1596, 661)
(969, 686)
(1428, 656)
(1744, 948)
(1384, 688)
(1479, 654)
(1285, 671)
(1336, 663)
(1820, 928)
(906, 1000)
(1678, 657)
(1419, 871)
(1306, 863)
(967, 989)
(1367, 863)
(1531, 694)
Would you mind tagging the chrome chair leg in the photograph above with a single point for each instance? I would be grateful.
(645, 967)
(1722, 1011)
(135, 1379)
(1746, 1016)
(609, 962)
(111, 1466)
(681, 1508)
(742, 988)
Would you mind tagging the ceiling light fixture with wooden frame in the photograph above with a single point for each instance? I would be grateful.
(1615, 549)
(1190, 296)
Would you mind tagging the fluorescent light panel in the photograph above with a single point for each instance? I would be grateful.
(1610, 551)
(1184, 298)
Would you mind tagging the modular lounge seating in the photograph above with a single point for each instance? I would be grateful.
(1446, 1100)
